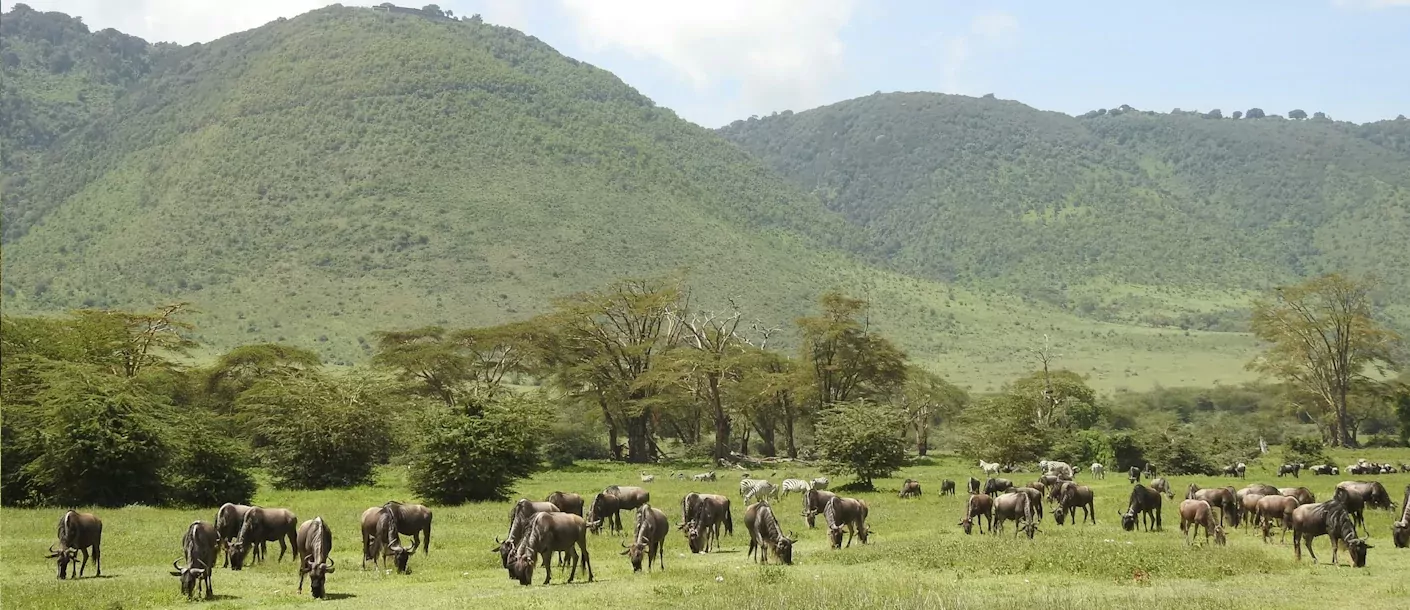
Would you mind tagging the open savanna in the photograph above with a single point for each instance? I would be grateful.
(918, 558)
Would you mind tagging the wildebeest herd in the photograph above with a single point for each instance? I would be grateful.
(560, 525)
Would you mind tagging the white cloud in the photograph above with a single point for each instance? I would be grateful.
(778, 53)
(183, 21)
(987, 32)
(1370, 4)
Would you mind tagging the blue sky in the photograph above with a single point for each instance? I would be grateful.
(728, 59)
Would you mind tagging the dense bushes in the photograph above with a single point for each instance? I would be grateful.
(317, 432)
(462, 458)
(1305, 449)
(207, 468)
(860, 438)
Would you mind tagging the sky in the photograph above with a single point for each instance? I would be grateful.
(718, 61)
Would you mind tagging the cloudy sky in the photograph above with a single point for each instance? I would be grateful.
(725, 59)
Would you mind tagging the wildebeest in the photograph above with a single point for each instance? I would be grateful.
(1248, 507)
(649, 538)
(413, 520)
(1236, 470)
(1197, 513)
(1035, 497)
(1400, 530)
(703, 515)
(606, 506)
(1291, 469)
(1098, 470)
(1328, 518)
(1302, 494)
(848, 513)
(519, 516)
(228, 520)
(973, 485)
(381, 538)
(813, 503)
(263, 525)
(1072, 497)
(910, 489)
(78, 532)
(1048, 480)
(765, 534)
(947, 487)
(198, 546)
(566, 502)
(979, 505)
(1160, 485)
(1134, 475)
(1275, 508)
(1360, 494)
(314, 543)
(1222, 498)
(1322, 469)
(1144, 506)
(1150, 470)
(994, 487)
(1016, 507)
(820, 483)
(545, 534)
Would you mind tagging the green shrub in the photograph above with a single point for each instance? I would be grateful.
(317, 433)
(207, 469)
(464, 458)
(861, 438)
(1305, 449)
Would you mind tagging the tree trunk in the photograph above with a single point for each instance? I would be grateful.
(639, 439)
(922, 437)
(1346, 434)
(722, 424)
(788, 430)
(744, 441)
(765, 428)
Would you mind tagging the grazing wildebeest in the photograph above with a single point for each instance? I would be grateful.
(1049, 480)
(1098, 470)
(1134, 475)
(1291, 469)
(1150, 470)
(1197, 513)
(228, 520)
(1248, 507)
(413, 520)
(1035, 498)
(545, 534)
(519, 516)
(1303, 494)
(1016, 507)
(1043, 487)
(994, 487)
(263, 525)
(198, 546)
(1328, 518)
(813, 503)
(820, 483)
(1400, 530)
(910, 489)
(649, 539)
(314, 543)
(1275, 508)
(382, 538)
(1222, 498)
(1072, 497)
(947, 487)
(765, 535)
(989, 468)
(1144, 507)
(973, 485)
(77, 533)
(607, 505)
(1321, 469)
(1360, 494)
(1160, 485)
(848, 513)
(979, 505)
(566, 502)
(703, 515)
(793, 486)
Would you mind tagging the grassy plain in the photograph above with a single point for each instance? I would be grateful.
(918, 557)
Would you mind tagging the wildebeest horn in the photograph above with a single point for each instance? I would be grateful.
(173, 564)
(497, 540)
(624, 544)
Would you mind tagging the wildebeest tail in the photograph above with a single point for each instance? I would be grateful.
(729, 522)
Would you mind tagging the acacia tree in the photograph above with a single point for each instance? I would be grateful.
(709, 357)
(845, 359)
(1323, 337)
(240, 368)
(922, 400)
(129, 343)
(860, 438)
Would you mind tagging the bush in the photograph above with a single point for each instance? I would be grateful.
(572, 438)
(207, 469)
(861, 438)
(317, 433)
(1305, 449)
(1002, 429)
(465, 458)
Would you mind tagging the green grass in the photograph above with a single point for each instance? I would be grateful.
(918, 559)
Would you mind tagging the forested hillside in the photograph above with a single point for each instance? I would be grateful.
(1123, 214)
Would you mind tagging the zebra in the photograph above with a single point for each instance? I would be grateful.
(794, 486)
(757, 488)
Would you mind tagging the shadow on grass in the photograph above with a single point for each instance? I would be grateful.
(337, 596)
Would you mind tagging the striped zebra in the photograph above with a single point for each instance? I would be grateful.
(794, 486)
(761, 489)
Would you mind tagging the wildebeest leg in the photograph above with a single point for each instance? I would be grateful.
(572, 562)
(547, 566)
(84, 566)
(97, 560)
(302, 572)
(415, 541)
(210, 592)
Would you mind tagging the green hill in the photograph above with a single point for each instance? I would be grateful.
(1124, 215)
(349, 170)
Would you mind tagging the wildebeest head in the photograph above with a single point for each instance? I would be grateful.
(1030, 527)
(785, 548)
(693, 536)
(968, 524)
(1219, 538)
(318, 576)
(834, 535)
(399, 555)
(237, 551)
(522, 567)
(1358, 548)
(1400, 534)
(64, 557)
(505, 548)
(1128, 520)
(635, 552)
(190, 576)
(1059, 515)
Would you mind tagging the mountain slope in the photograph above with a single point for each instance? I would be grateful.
(1098, 213)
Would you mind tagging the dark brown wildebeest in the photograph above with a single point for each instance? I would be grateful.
(566, 502)
(314, 543)
(1331, 519)
(994, 487)
(261, 525)
(1275, 508)
(1302, 494)
(979, 505)
(1144, 506)
(765, 534)
(519, 516)
(413, 520)
(1160, 485)
(1049, 480)
(1222, 498)
(607, 505)
(1134, 475)
(947, 487)
(78, 532)
(702, 515)
(910, 489)
(545, 534)
(1197, 513)
(1360, 494)
(198, 546)
(1016, 507)
(1292, 469)
(973, 485)
(846, 513)
(813, 503)
(380, 535)
(1042, 487)
(1400, 530)
(228, 520)
(1248, 507)
(1072, 497)
(1035, 497)
(649, 539)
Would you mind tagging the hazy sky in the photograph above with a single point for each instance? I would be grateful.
(726, 59)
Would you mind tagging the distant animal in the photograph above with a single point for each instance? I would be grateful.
(1322, 469)
(765, 534)
(261, 525)
(649, 539)
(820, 483)
(1331, 519)
(761, 489)
(1160, 485)
(566, 502)
(703, 515)
(980, 506)
(1134, 475)
(314, 543)
(846, 513)
(1400, 530)
(989, 468)
(546, 534)
(1222, 498)
(1241, 470)
(1360, 494)
(1061, 470)
(910, 489)
(79, 532)
(794, 486)
(947, 487)
(1098, 470)
(198, 546)
(413, 520)
(1248, 507)
(647, 478)
(519, 516)
(1072, 497)
(704, 476)
(1195, 514)
(813, 503)
(228, 519)
(1275, 509)
(1291, 469)
(606, 506)
(1143, 507)
(994, 487)
(1150, 470)
(385, 540)
(1016, 507)
(1302, 494)
(973, 485)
